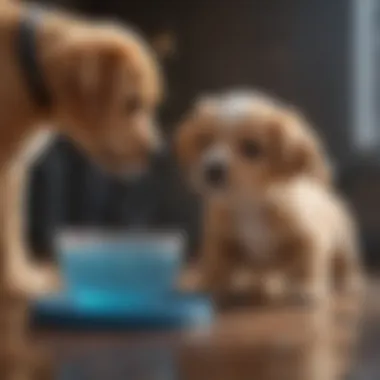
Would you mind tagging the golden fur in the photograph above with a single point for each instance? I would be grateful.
(104, 84)
(275, 214)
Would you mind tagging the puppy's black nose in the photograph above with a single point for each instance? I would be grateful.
(215, 174)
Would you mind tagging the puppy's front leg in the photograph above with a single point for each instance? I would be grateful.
(310, 274)
(19, 273)
(217, 267)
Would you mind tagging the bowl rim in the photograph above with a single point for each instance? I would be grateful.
(65, 238)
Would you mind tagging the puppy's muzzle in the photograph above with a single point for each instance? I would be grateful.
(215, 174)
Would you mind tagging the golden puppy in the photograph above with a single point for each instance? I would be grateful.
(269, 204)
(103, 85)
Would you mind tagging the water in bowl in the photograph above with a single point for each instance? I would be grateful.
(126, 270)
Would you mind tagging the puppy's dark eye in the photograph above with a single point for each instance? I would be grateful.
(133, 105)
(250, 149)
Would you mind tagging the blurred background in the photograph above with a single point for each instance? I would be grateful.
(320, 55)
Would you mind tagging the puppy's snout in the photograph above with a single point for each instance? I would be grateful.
(215, 174)
(152, 135)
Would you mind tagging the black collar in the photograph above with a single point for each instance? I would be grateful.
(27, 54)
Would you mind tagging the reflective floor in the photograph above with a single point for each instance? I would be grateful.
(336, 341)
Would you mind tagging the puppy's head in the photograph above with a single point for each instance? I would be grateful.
(245, 142)
(105, 85)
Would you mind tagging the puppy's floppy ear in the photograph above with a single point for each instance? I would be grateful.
(186, 138)
(297, 149)
(85, 76)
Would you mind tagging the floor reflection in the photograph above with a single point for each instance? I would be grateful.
(145, 361)
(21, 357)
(246, 344)
(316, 346)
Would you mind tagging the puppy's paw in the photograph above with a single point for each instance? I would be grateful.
(33, 280)
(272, 288)
(190, 280)
(43, 279)
(307, 295)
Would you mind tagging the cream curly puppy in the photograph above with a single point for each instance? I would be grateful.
(96, 83)
(269, 203)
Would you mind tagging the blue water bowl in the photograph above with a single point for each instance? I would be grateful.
(107, 267)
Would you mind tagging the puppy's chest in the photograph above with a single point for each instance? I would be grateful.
(255, 234)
